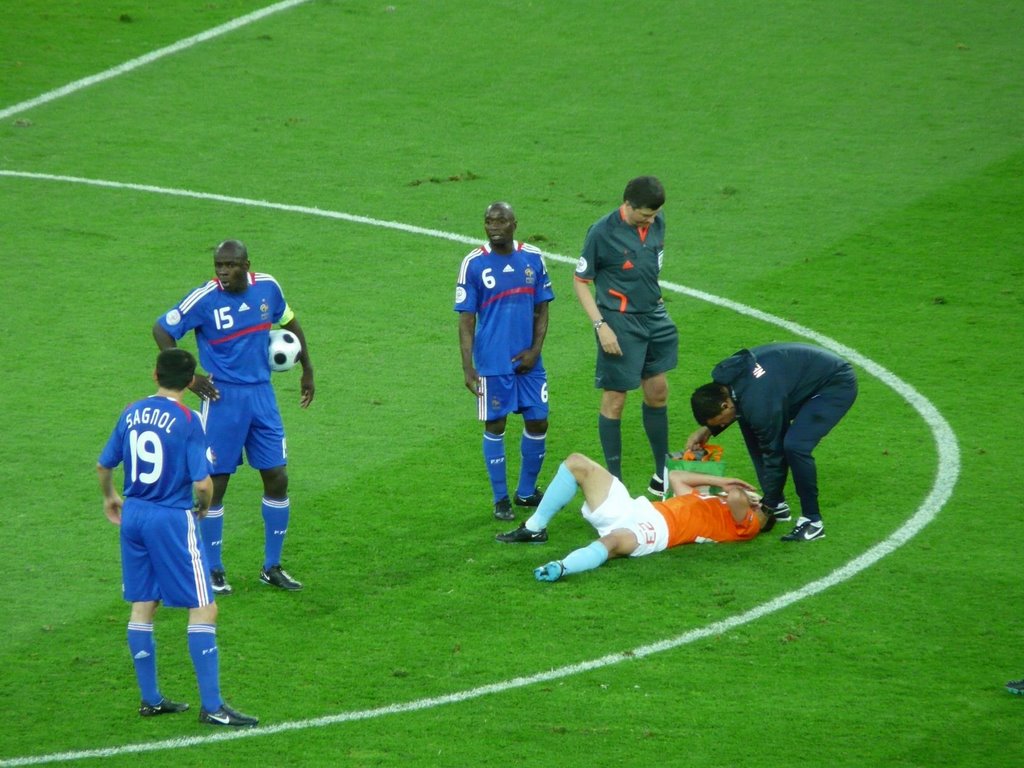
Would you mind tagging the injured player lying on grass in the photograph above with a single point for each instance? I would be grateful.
(633, 527)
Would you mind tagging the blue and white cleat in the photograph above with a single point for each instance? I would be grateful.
(552, 571)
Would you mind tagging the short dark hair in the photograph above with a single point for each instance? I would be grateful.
(706, 402)
(644, 192)
(175, 368)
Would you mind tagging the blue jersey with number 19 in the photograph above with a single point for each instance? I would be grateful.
(502, 291)
(232, 329)
(151, 437)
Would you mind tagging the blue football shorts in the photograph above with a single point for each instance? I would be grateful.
(523, 393)
(245, 416)
(162, 556)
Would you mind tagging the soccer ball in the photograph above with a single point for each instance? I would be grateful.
(284, 350)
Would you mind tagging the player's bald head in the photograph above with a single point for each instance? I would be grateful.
(232, 249)
(500, 208)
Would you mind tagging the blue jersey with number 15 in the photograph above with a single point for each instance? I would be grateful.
(163, 446)
(502, 291)
(232, 329)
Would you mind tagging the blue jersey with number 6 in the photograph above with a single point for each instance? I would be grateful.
(502, 291)
(163, 446)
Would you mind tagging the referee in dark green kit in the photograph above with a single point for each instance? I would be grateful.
(637, 342)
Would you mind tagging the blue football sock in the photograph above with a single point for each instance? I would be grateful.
(656, 426)
(586, 558)
(532, 447)
(559, 492)
(275, 525)
(610, 433)
(202, 647)
(212, 529)
(494, 458)
(143, 649)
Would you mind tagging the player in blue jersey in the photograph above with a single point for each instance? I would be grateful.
(163, 448)
(502, 296)
(232, 316)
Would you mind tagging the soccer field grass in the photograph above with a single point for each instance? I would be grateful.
(852, 174)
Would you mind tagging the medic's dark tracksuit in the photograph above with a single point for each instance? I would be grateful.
(788, 397)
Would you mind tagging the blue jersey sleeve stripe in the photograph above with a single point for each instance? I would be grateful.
(464, 268)
(263, 277)
(196, 296)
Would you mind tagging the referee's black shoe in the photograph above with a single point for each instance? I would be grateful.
(656, 486)
(523, 535)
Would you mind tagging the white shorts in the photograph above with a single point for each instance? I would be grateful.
(638, 515)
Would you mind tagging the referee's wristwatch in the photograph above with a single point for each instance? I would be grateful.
(598, 324)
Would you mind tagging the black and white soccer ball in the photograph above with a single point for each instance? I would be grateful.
(283, 350)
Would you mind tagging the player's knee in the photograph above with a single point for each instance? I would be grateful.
(580, 466)
(537, 426)
(206, 614)
(275, 483)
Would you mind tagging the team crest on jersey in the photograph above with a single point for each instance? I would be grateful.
(264, 309)
(530, 275)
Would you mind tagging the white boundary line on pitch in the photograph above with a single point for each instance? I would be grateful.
(947, 474)
(141, 61)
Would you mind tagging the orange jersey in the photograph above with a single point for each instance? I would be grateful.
(694, 518)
